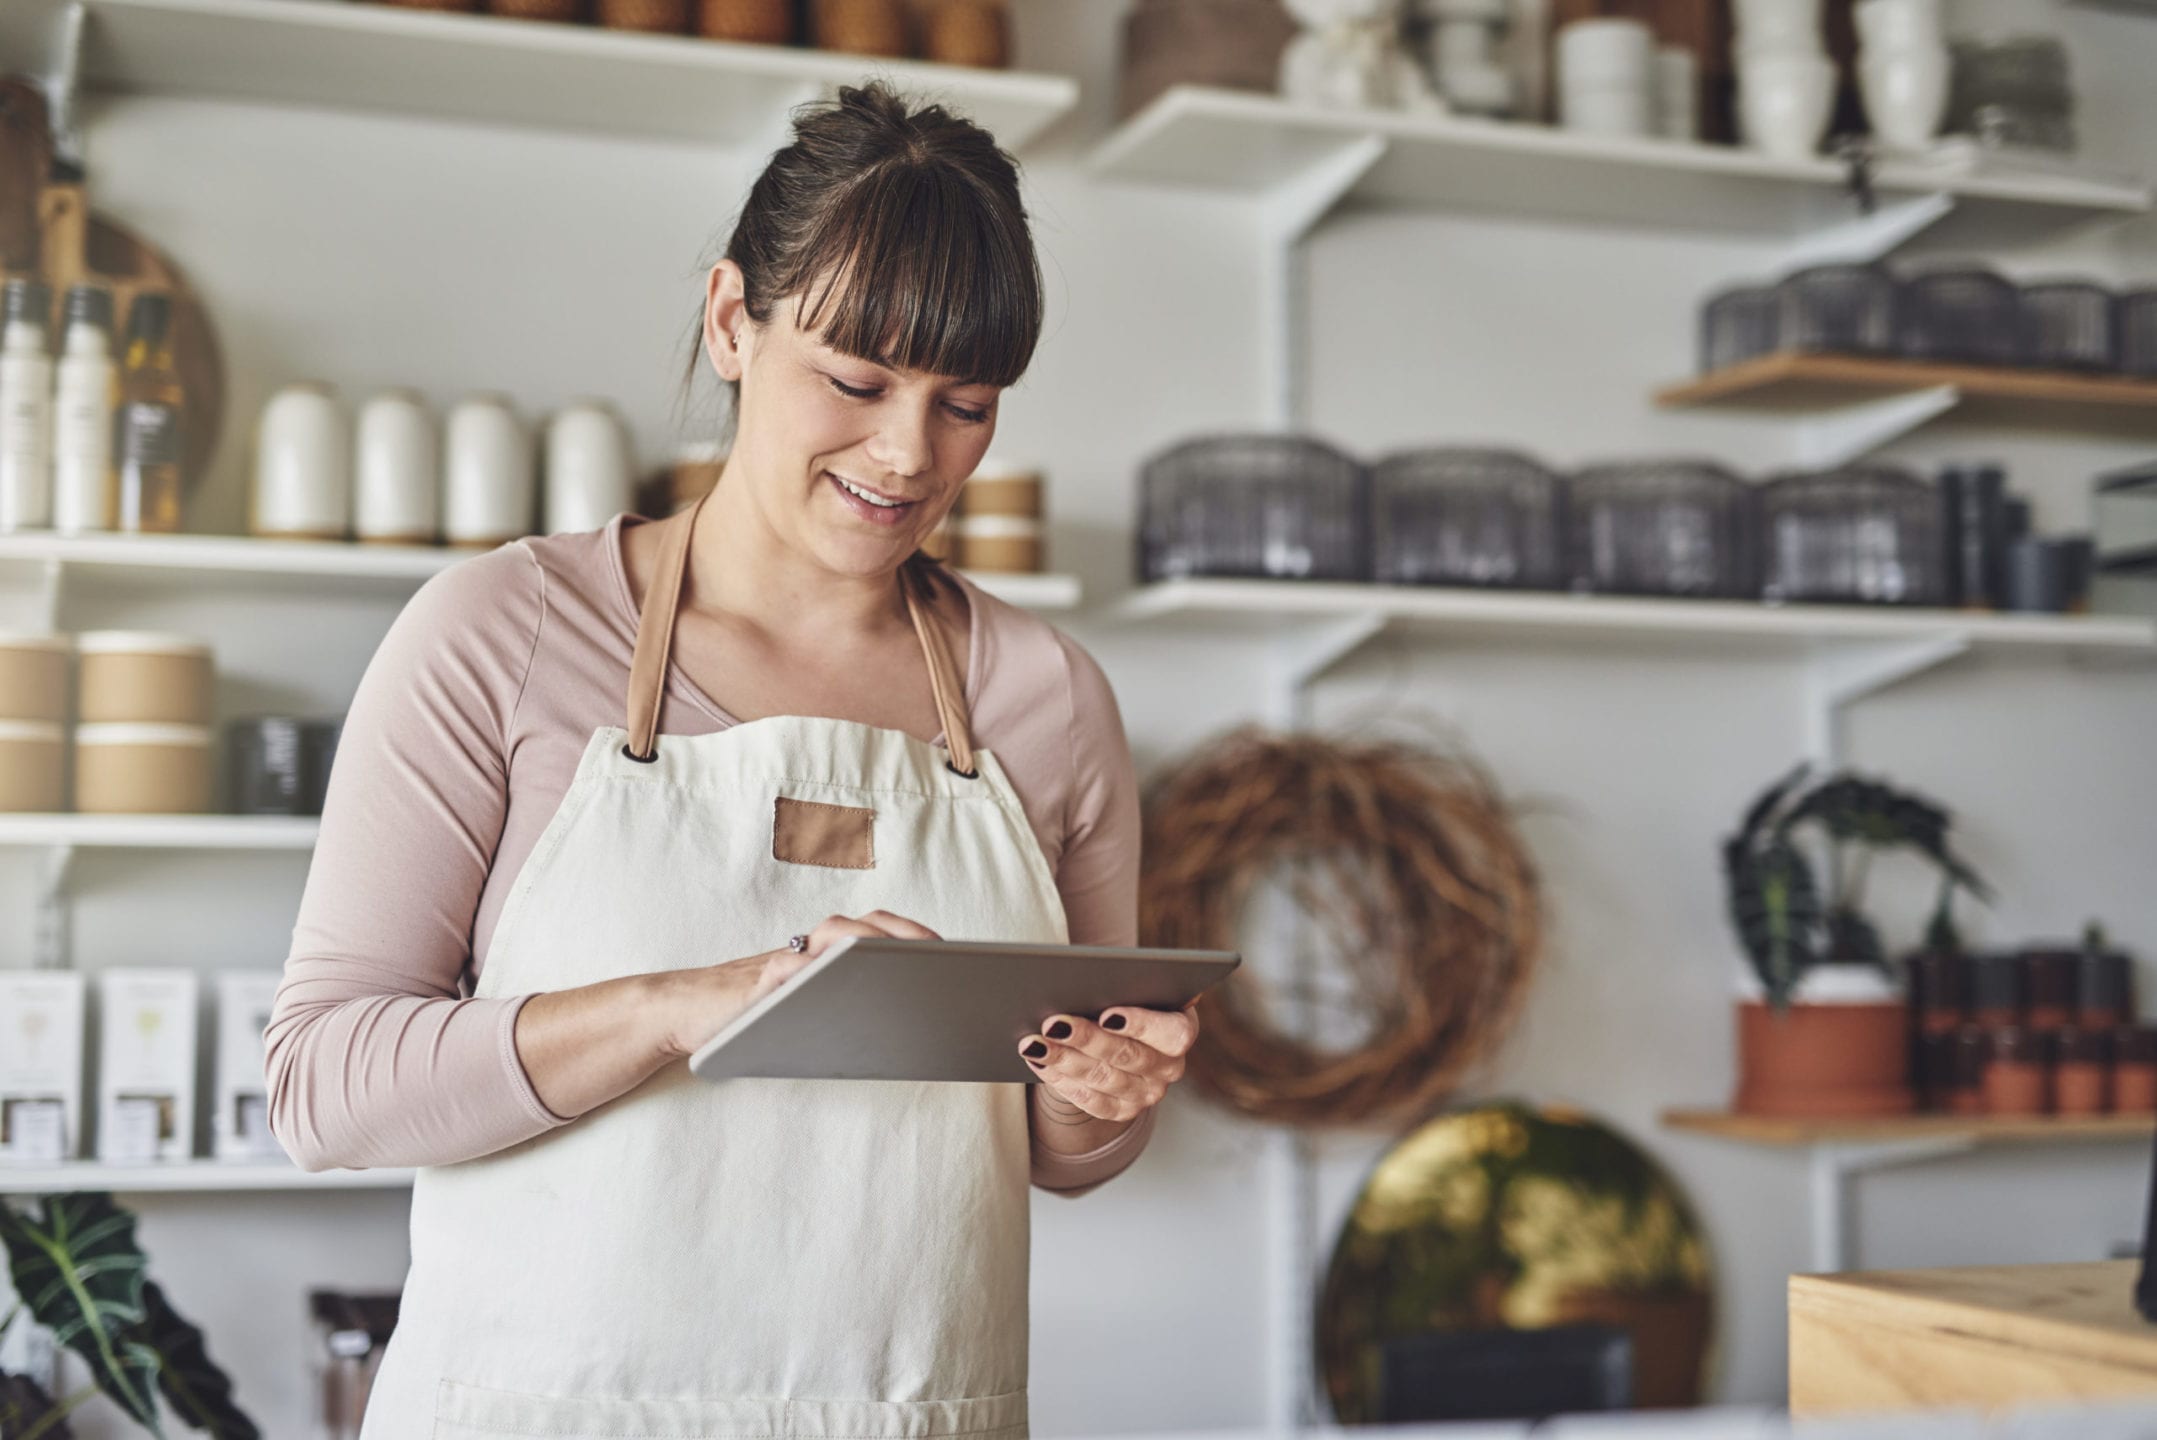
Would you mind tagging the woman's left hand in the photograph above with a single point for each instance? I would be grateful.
(1118, 1068)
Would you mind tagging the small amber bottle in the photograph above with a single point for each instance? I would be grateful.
(2082, 1072)
(1996, 990)
(2018, 1072)
(150, 443)
(1969, 1052)
(2134, 1069)
(2048, 987)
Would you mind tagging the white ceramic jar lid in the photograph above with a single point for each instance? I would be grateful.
(131, 732)
(138, 642)
(46, 732)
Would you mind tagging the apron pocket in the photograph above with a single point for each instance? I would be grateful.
(473, 1412)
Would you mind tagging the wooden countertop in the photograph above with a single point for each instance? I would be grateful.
(1990, 1336)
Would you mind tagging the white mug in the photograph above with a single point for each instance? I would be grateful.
(397, 487)
(488, 490)
(1599, 53)
(590, 478)
(1677, 93)
(303, 465)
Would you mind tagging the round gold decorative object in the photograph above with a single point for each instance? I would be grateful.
(1508, 1217)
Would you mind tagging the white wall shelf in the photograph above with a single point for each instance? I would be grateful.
(1254, 145)
(245, 562)
(160, 832)
(1838, 1151)
(1849, 651)
(482, 68)
(192, 1176)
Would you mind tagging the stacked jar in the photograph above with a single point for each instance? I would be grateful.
(33, 709)
(143, 742)
(1939, 991)
(996, 526)
(2042, 1031)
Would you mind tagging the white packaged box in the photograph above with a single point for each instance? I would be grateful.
(240, 1125)
(40, 1066)
(146, 1065)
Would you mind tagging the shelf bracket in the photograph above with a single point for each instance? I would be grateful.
(1851, 432)
(1287, 214)
(1835, 1165)
(50, 946)
(63, 71)
(1866, 238)
(1308, 651)
(51, 592)
(1850, 672)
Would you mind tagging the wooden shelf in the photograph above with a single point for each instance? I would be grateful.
(1976, 1129)
(1262, 605)
(579, 78)
(1798, 383)
(161, 832)
(1260, 146)
(243, 561)
(195, 1176)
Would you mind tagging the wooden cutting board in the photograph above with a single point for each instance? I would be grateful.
(39, 237)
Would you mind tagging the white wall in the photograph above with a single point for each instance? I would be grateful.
(369, 251)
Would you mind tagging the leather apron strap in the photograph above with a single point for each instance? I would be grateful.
(655, 644)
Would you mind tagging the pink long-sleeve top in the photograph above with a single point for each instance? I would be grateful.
(460, 744)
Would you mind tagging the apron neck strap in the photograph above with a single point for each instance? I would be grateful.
(655, 644)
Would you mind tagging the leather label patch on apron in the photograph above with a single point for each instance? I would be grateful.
(807, 832)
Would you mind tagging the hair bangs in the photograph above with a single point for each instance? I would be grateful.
(911, 268)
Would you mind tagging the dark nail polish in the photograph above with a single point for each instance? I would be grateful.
(1114, 1022)
(1035, 1051)
(1061, 1030)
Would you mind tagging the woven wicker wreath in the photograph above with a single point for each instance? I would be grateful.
(1406, 859)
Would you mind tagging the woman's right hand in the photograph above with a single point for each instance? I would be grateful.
(700, 1003)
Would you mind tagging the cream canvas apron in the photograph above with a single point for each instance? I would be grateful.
(834, 1259)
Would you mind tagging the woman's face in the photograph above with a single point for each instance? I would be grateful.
(851, 462)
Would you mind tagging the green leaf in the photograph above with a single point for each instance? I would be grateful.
(75, 1262)
(26, 1410)
(1775, 907)
(199, 1392)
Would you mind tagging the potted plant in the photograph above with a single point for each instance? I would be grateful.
(1827, 1032)
(79, 1272)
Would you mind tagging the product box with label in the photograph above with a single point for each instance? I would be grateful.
(146, 1065)
(40, 1066)
(240, 1125)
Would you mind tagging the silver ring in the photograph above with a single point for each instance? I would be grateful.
(799, 944)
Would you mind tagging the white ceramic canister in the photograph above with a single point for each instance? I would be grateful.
(142, 769)
(32, 766)
(1606, 54)
(1898, 24)
(397, 473)
(590, 476)
(138, 676)
(303, 465)
(1777, 27)
(488, 491)
(1677, 93)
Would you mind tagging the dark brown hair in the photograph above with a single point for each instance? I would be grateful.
(900, 236)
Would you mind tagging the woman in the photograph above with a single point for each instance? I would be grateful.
(603, 1245)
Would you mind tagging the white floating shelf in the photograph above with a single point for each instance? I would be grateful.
(482, 68)
(161, 832)
(1264, 605)
(1263, 147)
(196, 1176)
(242, 561)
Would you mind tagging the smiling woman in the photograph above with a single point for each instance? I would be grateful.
(592, 784)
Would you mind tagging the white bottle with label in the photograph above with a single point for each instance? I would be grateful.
(83, 398)
(25, 407)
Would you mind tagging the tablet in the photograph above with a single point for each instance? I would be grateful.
(880, 1009)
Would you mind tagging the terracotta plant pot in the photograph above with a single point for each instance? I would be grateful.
(1823, 1060)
